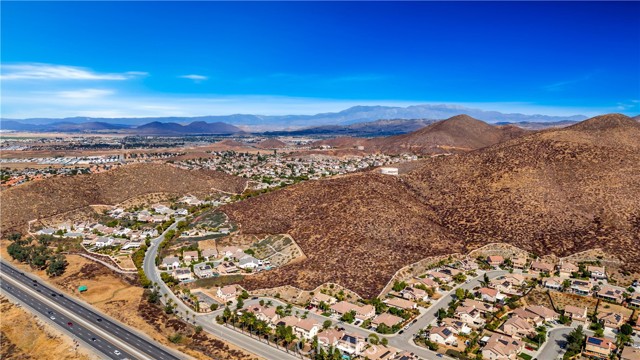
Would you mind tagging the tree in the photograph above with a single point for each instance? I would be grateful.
(153, 297)
(384, 341)
(460, 293)
(399, 285)
(575, 339)
(374, 339)
(198, 329)
(326, 324)
(349, 316)
(213, 307)
(57, 265)
(626, 329)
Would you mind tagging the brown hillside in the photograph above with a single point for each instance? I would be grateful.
(57, 195)
(271, 143)
(459, 133)
(558, 191)
(355, 230)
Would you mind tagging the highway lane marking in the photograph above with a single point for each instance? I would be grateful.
(59, 323)
(80, 309)
(85, 323)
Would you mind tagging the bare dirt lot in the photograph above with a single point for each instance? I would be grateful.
(23, 336)
(561, 300)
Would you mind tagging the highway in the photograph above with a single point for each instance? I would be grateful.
(87, 321)
(76, 331)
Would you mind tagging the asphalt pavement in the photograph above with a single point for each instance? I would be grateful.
(90, 317)
(74, 329)
(207, 321)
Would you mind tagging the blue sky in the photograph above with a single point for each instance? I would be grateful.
(208, 58)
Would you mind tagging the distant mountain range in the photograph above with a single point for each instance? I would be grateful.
(257, 123)
(152, 128)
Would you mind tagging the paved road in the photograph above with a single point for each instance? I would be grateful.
(207, 321)
(553, 348)
(89, 317)
(76, 331)
(405, 340)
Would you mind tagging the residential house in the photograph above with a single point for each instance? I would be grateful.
(637, 324)
(539, 267)
(450, 271)
(429, 283)
(46, 231)
(519, 262)
(227, 268)
(576, 313)
(528, 316)
(103, 241)
(303, 328)
(402, 304)
(203, 271)
(611, 293)
(320, 297)
(209, 254)
(266, 314)
(482, 306)
(351, 344)
(581, 287)
(565, 269)
(365, 312)
(508, 284)
(380, 352)
(162, 209)
(414, 294)
(440, 276)
(190, 256)
(635, 300)
(543, 312)
(457, 326)
(343, 307)
(554, 283)
(611, 320)
(597, 272)
(248, 262)
(362, 312)
(387, 319)
(469, 315)
(227, 293)
(502, 347)
(442, 335)
(489, 294)
(171, 262)
(232, 252)
(330, 337)
(630, 353)
(495, 260)
(159, 218)
(518, 327)
(599, 348)
(182, 274)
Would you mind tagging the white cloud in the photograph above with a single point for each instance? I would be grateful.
(39, 71)
(194, 77)
(85, 93)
